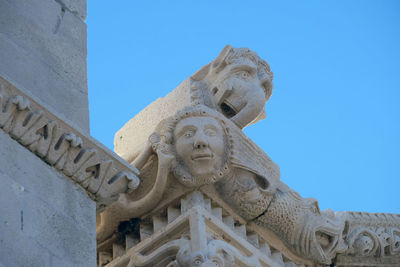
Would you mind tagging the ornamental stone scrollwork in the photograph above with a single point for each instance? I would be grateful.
(100, 172)
(372, 238)
(190, 145)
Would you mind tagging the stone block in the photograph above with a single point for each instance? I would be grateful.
(47, 220)
(65, 240)
(18, 250)
(50, 185)
(129, 141)
(77, 7)
(57, 93)
(44, 13)
(43, 49)
(61, 45)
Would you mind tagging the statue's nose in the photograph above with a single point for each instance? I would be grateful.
(200, 141)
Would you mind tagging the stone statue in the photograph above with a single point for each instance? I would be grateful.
(238, 83)
(208, 148)
(199, 142)
(203, 156)
(202, 148)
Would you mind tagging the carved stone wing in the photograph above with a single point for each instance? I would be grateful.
(245, 154)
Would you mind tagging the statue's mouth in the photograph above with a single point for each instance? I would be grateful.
(202, 156)
(227, 109)
(327, 241)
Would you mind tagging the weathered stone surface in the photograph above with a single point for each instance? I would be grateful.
(43, 214)
(77, 7)
(68, 199)
(47, 218)
(128, 142)
(99, 171)
(43, 50)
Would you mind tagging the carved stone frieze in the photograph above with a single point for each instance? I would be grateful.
(371, 238)
(81, 158)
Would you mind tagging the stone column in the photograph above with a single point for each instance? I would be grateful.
(45, 218)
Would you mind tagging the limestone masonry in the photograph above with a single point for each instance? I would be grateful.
(188, 188)
(46, 218)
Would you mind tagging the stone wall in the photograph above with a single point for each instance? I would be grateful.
(45, 218)
(43, 49)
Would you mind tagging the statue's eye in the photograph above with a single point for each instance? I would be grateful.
(243, 74)
(188, 133)
(210, 132)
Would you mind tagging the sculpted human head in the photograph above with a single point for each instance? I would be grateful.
(239, 83)
(197, 137)
(199, 143)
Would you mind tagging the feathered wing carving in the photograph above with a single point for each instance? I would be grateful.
(245, 154)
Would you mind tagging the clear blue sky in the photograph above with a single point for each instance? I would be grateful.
(333, 121)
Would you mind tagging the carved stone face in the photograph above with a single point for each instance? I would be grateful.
(238, 92)
(199, 143)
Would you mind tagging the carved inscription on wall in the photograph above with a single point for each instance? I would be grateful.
(100, 172)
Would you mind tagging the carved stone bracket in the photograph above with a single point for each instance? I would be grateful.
(98, 170)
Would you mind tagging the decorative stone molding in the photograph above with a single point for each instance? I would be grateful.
(102, 174)
(196, 234)
(373, 239)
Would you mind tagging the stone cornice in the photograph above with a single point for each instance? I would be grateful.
(102, 173)
(213, 239)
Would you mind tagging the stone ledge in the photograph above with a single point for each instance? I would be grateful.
(84, 160)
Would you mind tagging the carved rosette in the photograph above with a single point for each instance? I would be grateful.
(371, 238)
